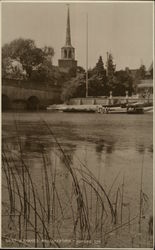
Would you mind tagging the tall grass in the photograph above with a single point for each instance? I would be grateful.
(49, 212)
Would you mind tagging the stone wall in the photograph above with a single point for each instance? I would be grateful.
(19, 93)
(119, 100)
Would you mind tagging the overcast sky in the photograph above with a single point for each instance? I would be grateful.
(124, 29)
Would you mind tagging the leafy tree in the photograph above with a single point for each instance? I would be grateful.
(96, 87)
(72, 72)
(75, 87)
(49, 73)
(140, 75)
(80, 70)
(141, 72)
(151, 70)
(32, 59)
(48, 53)
(17, 48)
(123, 82)
(6, 63)
(42, 73)
(26, 51)
(12, 69)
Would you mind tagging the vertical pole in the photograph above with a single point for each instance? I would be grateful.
(87, 55)
(107, 62)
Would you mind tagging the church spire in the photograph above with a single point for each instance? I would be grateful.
(67, 60)
(68, 35)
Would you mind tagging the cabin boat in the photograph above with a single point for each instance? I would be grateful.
(135, 108)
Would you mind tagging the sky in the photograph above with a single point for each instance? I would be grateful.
(123, 28)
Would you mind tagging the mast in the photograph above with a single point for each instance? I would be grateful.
(87, 55)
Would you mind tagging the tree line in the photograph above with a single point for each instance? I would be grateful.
(22, 59)
(102, 81)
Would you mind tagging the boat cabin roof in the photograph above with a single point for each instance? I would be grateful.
(136, 105)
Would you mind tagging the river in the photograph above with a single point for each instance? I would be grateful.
(117, 149)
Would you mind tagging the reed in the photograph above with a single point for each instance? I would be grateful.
(44, 211)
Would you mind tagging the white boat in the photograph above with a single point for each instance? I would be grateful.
(74, 108)
(56, 107)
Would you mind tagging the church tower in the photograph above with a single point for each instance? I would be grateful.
(67, 60)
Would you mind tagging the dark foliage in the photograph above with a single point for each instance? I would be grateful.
(25, 51)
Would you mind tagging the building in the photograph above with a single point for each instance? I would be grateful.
(67, 60)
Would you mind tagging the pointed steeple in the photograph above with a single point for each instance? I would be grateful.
(67, 60)
(68, 35)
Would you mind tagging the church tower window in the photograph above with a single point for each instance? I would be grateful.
(65, 53)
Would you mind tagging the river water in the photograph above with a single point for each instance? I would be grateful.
(117, 149)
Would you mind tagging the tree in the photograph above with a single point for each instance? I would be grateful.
(123, 82)
(42, 73)
(17, 48)
(140, 75)
(97, 80)
(141, 72)
(96, 87)
(99, 69)
(27, 53)
(72, 72)
(110, 69)
(48, 53)
(75, 87)
(31, 59)
(12, 69)
(80, 70)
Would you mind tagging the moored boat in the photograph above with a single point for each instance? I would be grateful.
(135, 108)
(74, 108)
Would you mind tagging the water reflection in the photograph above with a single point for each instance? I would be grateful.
(110, 148)
(105, 146)
(141, 148)
(32, 145)
(67, 153)
(74, 133)
(100, 145)
(150, 148)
